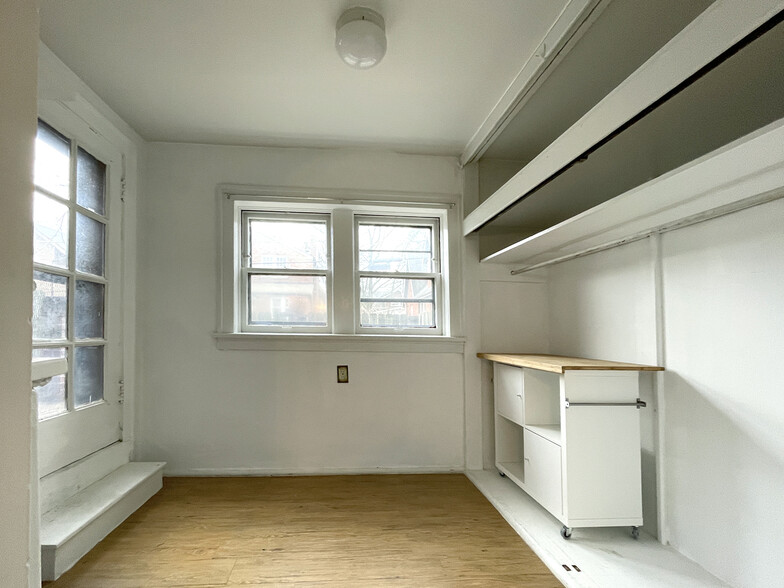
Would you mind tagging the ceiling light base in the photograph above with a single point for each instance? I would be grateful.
(360, 37)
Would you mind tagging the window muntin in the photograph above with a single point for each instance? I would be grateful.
(286, 273)
(70, 227)
(398, 269)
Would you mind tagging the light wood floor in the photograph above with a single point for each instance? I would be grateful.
(352, 531)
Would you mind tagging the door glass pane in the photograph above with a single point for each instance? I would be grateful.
(49, 353)
(50, 306)
(282, 244)
(88, 375)
(52, 161)
(51, 221)
(395, 248)
(88, 310)
(287, 300)
(90, 182)
(51, 397)
(89, 245)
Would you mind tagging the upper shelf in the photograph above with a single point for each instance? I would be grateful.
(715, 81)
(745, 172)
(559, 364)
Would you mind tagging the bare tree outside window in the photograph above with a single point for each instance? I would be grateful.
(396, 265)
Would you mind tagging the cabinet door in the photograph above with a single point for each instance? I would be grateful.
(508, 384)
(543, 471)
(602, 449)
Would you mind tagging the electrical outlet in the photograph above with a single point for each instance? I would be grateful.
(342, 374)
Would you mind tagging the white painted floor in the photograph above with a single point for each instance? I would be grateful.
(606, 557)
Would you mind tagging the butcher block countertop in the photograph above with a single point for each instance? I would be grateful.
(559, 364)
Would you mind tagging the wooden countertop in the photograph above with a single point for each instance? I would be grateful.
(559, 364)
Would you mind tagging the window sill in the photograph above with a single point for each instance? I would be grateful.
(329, 342)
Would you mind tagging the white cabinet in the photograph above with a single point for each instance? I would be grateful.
(567, 431)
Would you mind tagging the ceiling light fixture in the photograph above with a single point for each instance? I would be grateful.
(360, 38)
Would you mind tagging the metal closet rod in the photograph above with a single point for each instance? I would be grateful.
(679, 224)
(638, 404)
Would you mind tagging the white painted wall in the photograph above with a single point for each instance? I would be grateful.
(206, 411)
(18, 55)
(514, 320)
(723, 312)
(724, 335)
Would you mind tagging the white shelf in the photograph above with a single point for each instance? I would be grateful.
(716, 30)
(737, 175)
(513, 470)
(549, 432)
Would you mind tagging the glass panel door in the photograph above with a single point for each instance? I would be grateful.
(76, 308)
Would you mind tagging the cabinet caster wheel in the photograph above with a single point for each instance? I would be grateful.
(636, 532)
(502, 474)
(566, 532)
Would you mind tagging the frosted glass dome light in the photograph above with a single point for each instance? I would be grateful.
(360, 38)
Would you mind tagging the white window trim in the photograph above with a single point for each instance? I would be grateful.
(243, 285)
(232, 199)
(438, 276)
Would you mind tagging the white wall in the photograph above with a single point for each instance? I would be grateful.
(514, 319)
(18, 54)
(723, 332)
(206, 411)
(724, 335)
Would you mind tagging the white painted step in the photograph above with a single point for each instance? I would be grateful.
(71, 529)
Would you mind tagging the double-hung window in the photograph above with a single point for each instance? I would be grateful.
(317, 267)
(398, 270)
(285, 274)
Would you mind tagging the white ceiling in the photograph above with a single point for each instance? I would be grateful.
(265, 72)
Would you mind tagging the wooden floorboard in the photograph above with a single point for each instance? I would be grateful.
(352, 531)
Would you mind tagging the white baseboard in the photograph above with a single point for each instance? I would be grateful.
(229, 472)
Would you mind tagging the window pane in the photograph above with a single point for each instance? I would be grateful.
(50, 306)
(52, 161)
(402, 289)
(51, 231)
(90, 182)
(283, 244)
(395, 248)
(396, 302)
(88, 375)
(409, 315)
(89, 245)
(88, 310)
(51, 398)
(287, 300)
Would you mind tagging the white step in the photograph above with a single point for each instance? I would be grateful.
(71, 529)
